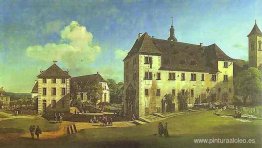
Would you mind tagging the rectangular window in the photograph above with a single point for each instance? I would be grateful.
(172, 76)
(193, 77)
(173, 92)
(225, 64)
(214, 77)
(148, 60)
(54, 80)
(44, 91)
(148, 75)
(146, 92)
(63, 80)
(203, 77)
(63, 91)
(53, 91)
(158, 92)
(44, 80)
(225, 78)
(158, 76)
(183, 77)
(192, 93)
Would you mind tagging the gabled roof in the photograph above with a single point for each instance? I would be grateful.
(82, 83)
(54, 72)
(255, 31)
(179, 56)
(144, 45)
(35, 88)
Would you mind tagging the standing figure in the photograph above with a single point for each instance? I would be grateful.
(32, 131)
(166, 130)
(38, 131)
(160, 129)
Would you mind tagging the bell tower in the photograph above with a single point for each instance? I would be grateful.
(255, 47)
(172, 33)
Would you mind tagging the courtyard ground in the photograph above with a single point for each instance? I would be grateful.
(182, 129)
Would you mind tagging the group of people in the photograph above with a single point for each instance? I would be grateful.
(162, 129)
(58, 117)
(104, 120)
(35, 130)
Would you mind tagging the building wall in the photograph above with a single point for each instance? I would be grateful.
(255, 51)
(131, 78)
(49, 97)
(5, 100)
(151, 103)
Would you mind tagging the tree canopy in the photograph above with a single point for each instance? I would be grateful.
(248, 84)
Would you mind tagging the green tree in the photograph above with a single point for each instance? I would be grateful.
(248, 84)
(116, 91)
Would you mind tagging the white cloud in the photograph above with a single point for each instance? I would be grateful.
(120, 54)
(76, 47)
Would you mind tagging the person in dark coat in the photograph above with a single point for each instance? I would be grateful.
(38, 131)
(32, 131)
(166, 130)
(160, 129)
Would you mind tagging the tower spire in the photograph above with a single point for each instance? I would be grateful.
(172, 31)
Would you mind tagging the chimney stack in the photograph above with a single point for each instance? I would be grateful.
(201, 44)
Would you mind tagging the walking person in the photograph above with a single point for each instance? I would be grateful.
(38, 131)
(32, 131)
(160, 129)
(166, 130)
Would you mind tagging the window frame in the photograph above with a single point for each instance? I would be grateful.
(146, 92)
(183, 76)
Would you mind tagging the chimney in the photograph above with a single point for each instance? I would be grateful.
(139, 35)
(201, 44)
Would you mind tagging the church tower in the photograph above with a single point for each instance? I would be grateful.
(172, 33)
(255, 47)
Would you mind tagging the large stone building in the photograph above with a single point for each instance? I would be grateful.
(255, 47)
(54, 89)
(155, 68)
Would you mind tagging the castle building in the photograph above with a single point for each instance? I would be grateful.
(155, 68)
(55, 88)
(255, 47)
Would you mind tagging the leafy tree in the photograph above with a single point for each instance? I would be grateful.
(182, 100)
(248, 84)
(116, 91)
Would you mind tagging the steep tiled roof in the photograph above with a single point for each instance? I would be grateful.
(144, 45)
(255, 31)
(181, 56)
(35, 88)
(82, 83)
(54, 72)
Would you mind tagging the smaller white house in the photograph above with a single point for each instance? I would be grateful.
(81, 85)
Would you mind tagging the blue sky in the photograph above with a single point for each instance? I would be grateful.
(33, 32)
